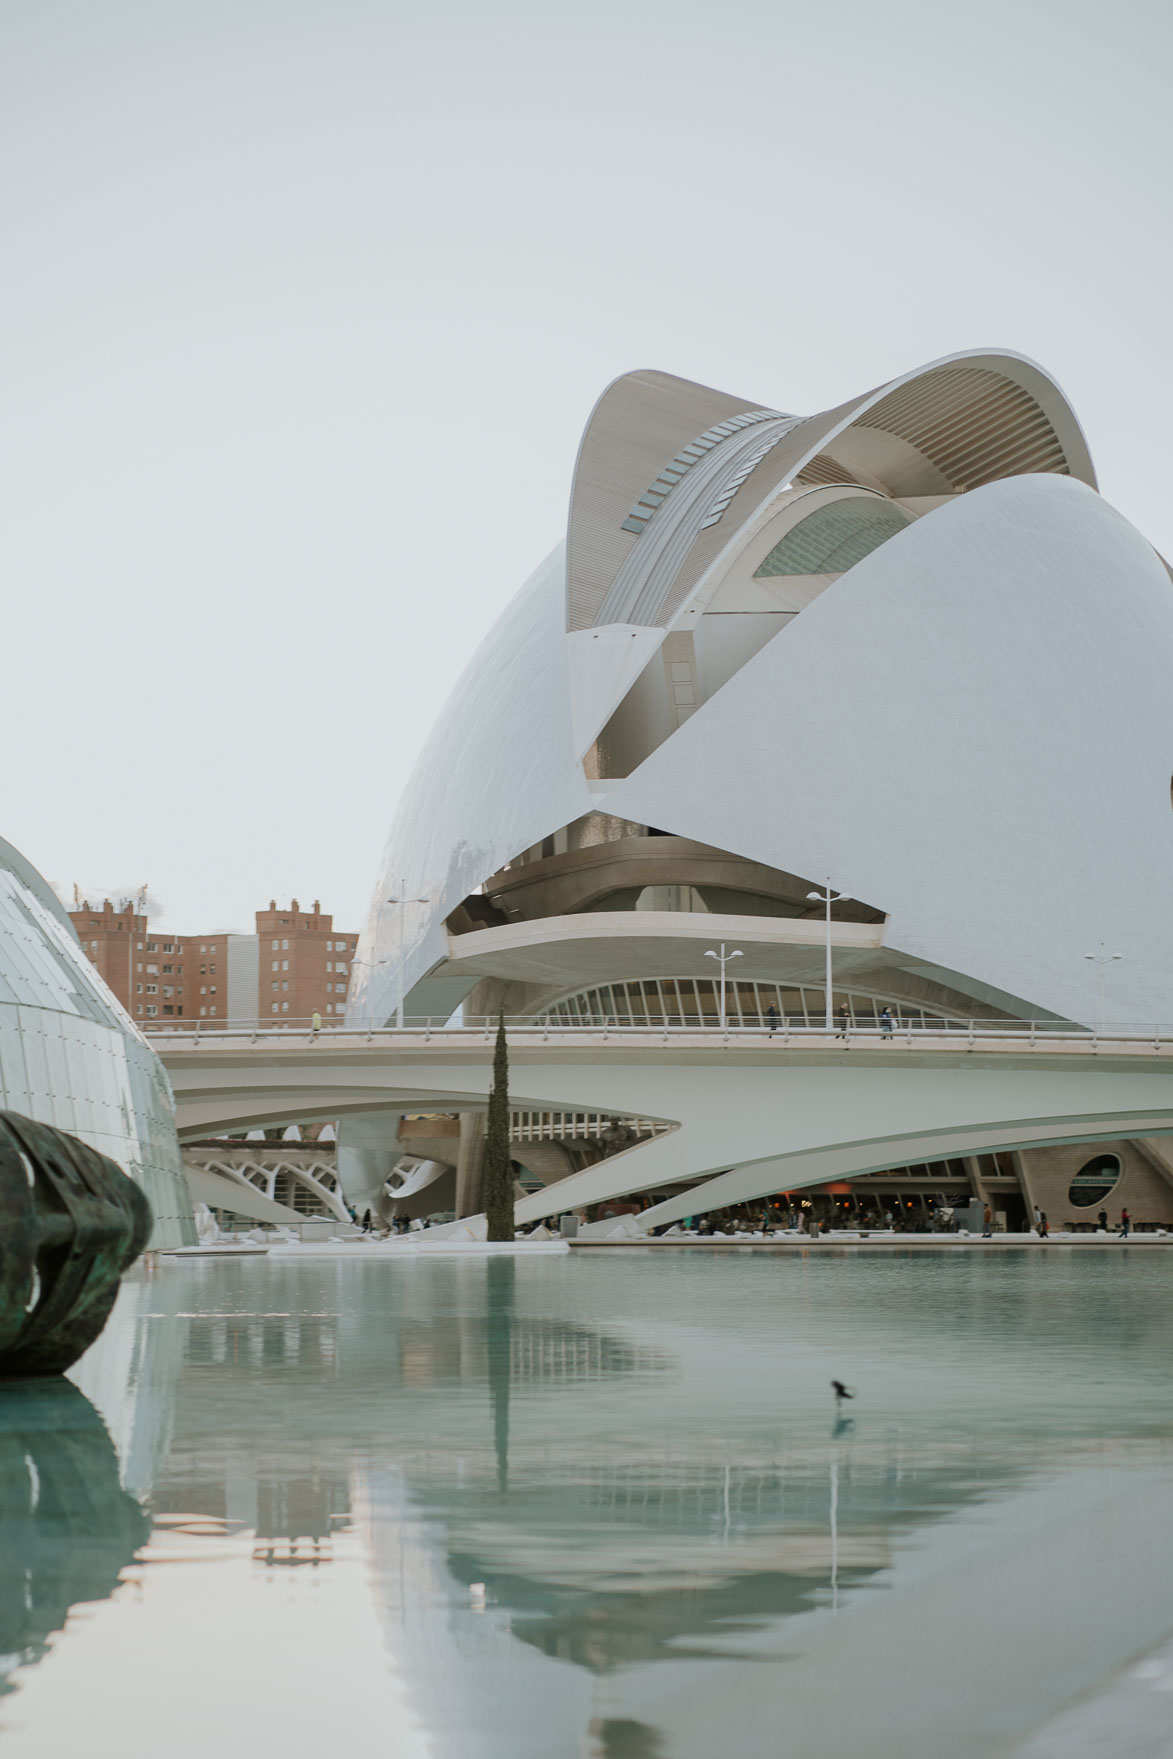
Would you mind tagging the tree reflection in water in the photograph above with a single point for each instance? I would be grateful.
(499, 1344)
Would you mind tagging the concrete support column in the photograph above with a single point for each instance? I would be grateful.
(1022, 1166)
(977, 1184)
(470, 1164)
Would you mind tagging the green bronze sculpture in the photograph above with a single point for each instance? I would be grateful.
(71, 1222)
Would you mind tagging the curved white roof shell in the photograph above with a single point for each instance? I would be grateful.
(959, 716)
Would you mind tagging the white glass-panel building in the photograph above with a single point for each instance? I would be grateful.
(70, 1056)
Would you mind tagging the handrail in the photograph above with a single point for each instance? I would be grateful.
(901, 1033)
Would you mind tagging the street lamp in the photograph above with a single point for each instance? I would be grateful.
(827, 897)
(401, 901)
(1102, 959)
(723, 958)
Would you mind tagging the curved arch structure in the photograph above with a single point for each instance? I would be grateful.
(901, 647)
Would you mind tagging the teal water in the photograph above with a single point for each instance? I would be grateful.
(592, 1507)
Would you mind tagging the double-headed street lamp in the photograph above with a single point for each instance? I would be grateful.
(827, 897)
(723, 958)
(401, 900)
(1103, 959)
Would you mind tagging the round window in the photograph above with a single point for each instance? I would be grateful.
(1093, 1182)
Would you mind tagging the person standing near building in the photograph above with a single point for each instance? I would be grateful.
(772, 1017)
(886, 1023)
(316, 1023)
(1038, 1218)
(844, 1020)
(1125, 1224)
(1102, 1218)
(987, 1223)
(1044, 1228)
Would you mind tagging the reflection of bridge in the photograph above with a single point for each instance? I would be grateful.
(754, 1112)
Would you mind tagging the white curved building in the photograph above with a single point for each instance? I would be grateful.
(902, 647)
(70, 1056)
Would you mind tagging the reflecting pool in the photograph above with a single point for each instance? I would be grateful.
(601, 1506)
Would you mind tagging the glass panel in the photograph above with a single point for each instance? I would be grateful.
(13, 1081)
(835, 536)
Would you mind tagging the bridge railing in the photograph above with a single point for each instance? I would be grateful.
(783, 1031)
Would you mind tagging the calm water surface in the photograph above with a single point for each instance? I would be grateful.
(593, 1507)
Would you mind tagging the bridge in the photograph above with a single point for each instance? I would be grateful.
(750, 1111)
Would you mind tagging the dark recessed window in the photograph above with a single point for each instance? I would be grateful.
(1093, 1182)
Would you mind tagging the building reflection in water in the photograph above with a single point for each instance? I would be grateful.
(463, 1438)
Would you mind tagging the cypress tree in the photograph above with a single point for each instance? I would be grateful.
(498, 1161)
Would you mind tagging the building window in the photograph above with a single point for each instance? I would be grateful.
(151, 1008)
(139, 965)
(213, 989)
(138, 946)
(153, 970)
(285, 964)
(276, 985)
(211, 968)
(329, 989)
(274, 1007)
(93, 946)
(152, 946)
(152, 989)
(329, 949)
(276, 946)
(833, 538)
(285, 986)
(168, 946)
(138, 990)
(139, 1009)
(341, 965)
(167, 1010)
(285, 946)
(203, 989)
(168, 989)
(203, 1012)
(285, 1007)
(1094, 1180)
(203, 949)
(211, 949)
(276, 962)
(166, 970)
(329, 965)
(212, 1010)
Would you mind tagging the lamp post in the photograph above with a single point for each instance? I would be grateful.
(401, 900)
(723, 958)
(827, 897)
(1103, 959)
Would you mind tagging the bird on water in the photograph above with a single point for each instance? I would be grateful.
(841, 1391)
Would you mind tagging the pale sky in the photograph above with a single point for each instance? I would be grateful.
(306, 302)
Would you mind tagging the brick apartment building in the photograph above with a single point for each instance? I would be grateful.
(296, 964)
